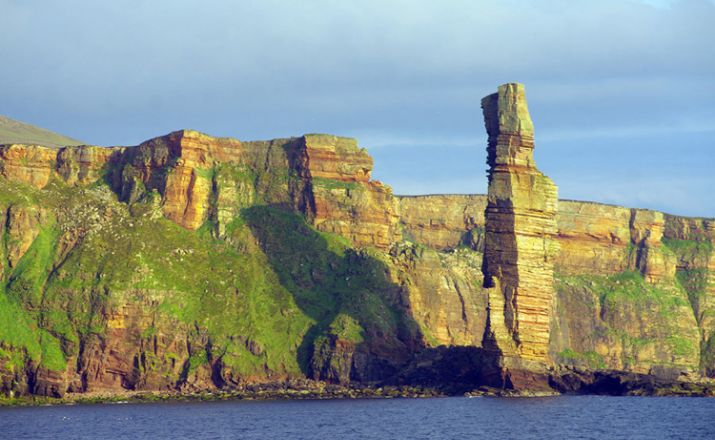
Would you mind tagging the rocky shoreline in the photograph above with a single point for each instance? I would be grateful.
(577, 383)
(279, 391)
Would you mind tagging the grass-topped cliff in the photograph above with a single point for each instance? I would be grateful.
(193, 263)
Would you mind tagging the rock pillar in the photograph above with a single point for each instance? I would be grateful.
(519, 244)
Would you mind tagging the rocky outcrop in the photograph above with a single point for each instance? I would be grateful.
(344, 199)
(198, 263)
(96, 269)
(691, 241)
(520, 226)
(196, 176)
(632, 286)
(27, 164)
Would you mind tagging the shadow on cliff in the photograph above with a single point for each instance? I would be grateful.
(453, 370)
(362, 332)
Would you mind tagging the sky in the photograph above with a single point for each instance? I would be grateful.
(621, 92)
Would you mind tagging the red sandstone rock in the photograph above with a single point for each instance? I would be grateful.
(520, 223)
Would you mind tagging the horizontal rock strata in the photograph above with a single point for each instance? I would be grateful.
(194, 263)
(520, 225)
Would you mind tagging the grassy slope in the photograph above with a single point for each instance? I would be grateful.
(124, 259)
(281, 295)
(16, 132)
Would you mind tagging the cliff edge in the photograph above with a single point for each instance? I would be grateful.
(192, 263)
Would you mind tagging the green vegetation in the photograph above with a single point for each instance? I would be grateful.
(681, 346)
(332, 184)
(692, 273)
(628, 286)
(256, 291)
(591, 359)
(347, 328)
(695, 283)
(16, 132)
(642, 319)
(344, 291)
(263, 295)
(689, 249)
(27, 280)
(205, 173)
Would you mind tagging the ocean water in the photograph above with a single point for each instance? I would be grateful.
(565, 417)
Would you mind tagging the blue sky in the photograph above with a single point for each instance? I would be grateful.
(622, 92)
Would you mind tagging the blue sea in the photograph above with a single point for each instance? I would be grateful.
(564, 417)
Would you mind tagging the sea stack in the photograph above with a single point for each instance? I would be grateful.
(520, 226)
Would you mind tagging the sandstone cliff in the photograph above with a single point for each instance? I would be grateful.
(195, 263)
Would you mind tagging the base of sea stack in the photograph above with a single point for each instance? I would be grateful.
(473, 372)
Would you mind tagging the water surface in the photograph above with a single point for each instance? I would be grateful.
(586, 417)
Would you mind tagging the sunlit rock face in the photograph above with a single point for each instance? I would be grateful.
(195, 263)
(520, 225)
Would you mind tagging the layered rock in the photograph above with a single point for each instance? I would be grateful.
(90, 243)
(593, 238)
(520, 226)
(444, 222)
(605, 316)
(29, 164)
(195, 263)
(344, 199)
(444, 293)
(325, 177)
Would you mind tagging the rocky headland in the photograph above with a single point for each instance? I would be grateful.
(193, 264)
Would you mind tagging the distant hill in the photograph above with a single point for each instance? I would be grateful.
(16, 132)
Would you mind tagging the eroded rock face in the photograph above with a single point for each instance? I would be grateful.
(633, 287)
(444, 222)
(194, 263)
(344, 199)
(444, 292)
(73, 215)
(197, 178)
(29, 164)
(593, 238)
(520, 226)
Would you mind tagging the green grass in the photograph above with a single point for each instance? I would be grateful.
(656, 333)
(20, 333)
(589, 358)
(18, 329)
(27, 280)
(689, 249)
(332, 184)
(327, 279)
(626, 286)
(681, 346)
(205, 173)
(695, 283)
(630, 287)
(262, 295)
(16, 132)
(197, 359)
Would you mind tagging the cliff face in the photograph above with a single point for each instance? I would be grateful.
(191, 262)
(444, 222)
(633, 288)
(197, 262)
